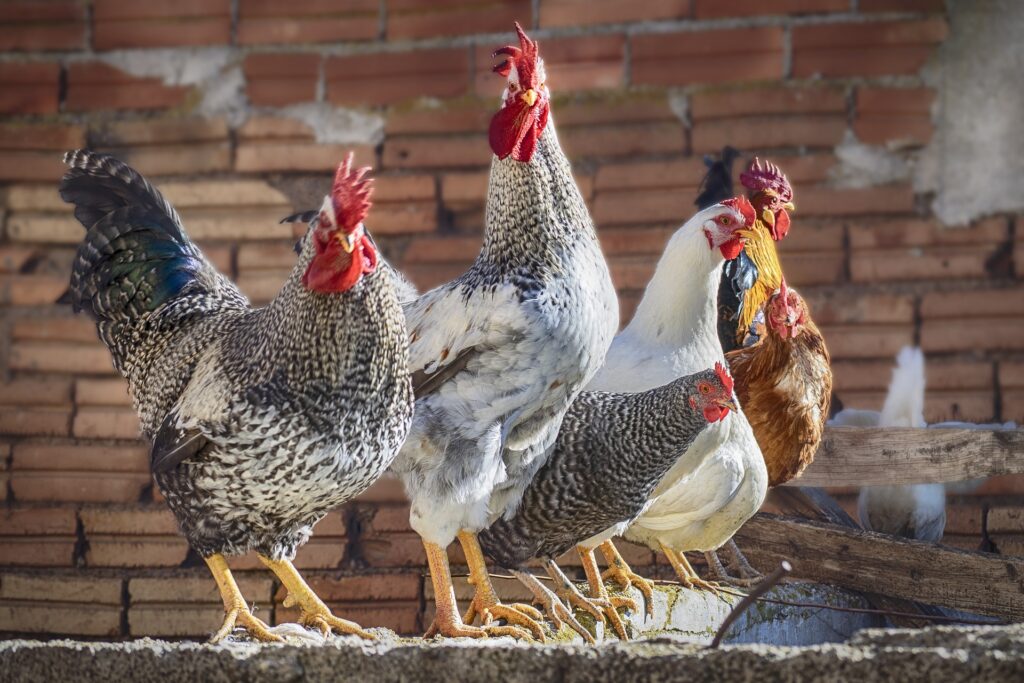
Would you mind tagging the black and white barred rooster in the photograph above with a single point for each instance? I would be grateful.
(262, 419)
(611, 452)
(500, 353)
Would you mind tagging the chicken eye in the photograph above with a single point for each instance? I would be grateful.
(704, 388)
(725, 220)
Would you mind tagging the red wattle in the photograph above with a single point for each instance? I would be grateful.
(731, 249)
(781, 227)
(714, 413)
(514, 129)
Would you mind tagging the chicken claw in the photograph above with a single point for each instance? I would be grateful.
(748, 576)
(314, 613)
(626, 577)
(557, 612)
(599, 591)
(236, 611)
(686, 573)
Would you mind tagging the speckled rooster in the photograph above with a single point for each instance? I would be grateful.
(500, 353)
(262, 419)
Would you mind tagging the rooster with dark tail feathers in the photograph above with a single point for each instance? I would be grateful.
(261, 419)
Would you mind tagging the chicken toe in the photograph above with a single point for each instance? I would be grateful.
(622, 574)
(314, 613)
(556, 610)
(686, 573)
(599, 591)
(236, 611)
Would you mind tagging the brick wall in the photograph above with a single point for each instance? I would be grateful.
(642, 90)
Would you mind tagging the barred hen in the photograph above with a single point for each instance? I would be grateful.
(612, 450)
(500, 353)
(261, 419)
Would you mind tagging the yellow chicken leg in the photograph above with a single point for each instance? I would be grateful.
(626, 577)
(236, 611)
(598, 590)
(314, 612)
(485, 602)
(686, 573)
(447, 621)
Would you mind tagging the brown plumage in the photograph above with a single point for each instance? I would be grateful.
(784, 384)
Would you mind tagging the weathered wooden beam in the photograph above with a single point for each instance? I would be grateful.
(868, 456)
(866, 561)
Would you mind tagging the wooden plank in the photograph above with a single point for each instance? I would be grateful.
(869, 456)
(861, 560)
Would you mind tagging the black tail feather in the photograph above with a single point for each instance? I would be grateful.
(717, 184)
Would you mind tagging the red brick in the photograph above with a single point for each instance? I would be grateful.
(61, 587)
(78, 487)
(96, 86)
(931, 263)
(362, 588)
(392, 550)
(973, 303)
(31, 290)
(901, 5)
(306, 21)
(969, 406)
(49, 136)
(31, 88)
(320, 553)
(106, 423)
(649, 107)
(279, 79)
(102, 392)
(768, 132)
(572, 63)
(436, 249)
(401, 188)
(850, 307)
(262, 286)
(68, 457)
(36, 27)
(896, 129)
(235, 223)
(1006, 520)
(865, 49)
(58, 618)
(812, 237)
(133, 521)
(679, 58)
(590, 12)
(1002, 485)
(175, 159)
(867, 341)
(826, 201)
(44, 391)
(714, 9)
(860, 376)
(37, 522)
(991, 334)
(959, 375)
(415, 19)
(14, 258)
(1011, 373)
(916, 232)
(677, 174)
(136, 551)
(297, 156)
(603, 142)
(157, 132)
(77, 329)
(387, 489)
(426, 152)
(449, 117)
(199, 588)
(38, 421)
(37, 551)
(177, 621)
(401, 617)
(263, 255)
(887, 114)
(814, 268)
(388, 78)
(710, 104)
(642, 206)
(20, 166)
(122, 23)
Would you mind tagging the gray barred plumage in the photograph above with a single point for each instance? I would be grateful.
(262, 419)
(611, 452)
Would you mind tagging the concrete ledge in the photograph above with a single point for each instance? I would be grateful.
(948, 654)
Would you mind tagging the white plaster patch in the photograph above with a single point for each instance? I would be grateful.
(338, 125)
(860, 165)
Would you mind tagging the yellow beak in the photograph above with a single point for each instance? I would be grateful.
(730, 404)
(789, 206)
(530, 97)
(348, 241)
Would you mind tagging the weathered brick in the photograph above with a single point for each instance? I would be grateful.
(1006, 520)
(22, 165)
(973, 303)
(387, 489)
(154, 520)
(958, 375)
(30, 88)
(676, 174)
(814, 268)
(602, 142)
(36, 391)
(677, 58)
(135, 551)
(930, 263)
(176, 621)
(57, 618)
(713, 9)
(37, 551)
(121, 23)
(157, 132)
(102, 392)
(106, 423)
(827, 201)
(571, 63)
(414, 19)
(253, 157)
(35, 421)
(280, 79)
(46, 136)
(37, 522)
(901, 5)
(78, 487)
(719, 103)
(894, 115)
(306, 21)
(96, 86)
(425, 152)
(34, 26)
(61, 587)
(77, 329)
(634, 241)
(867, 341)
(589, 12)
(262, 286)
(400, 617)
(812, 237)
(768, 132)
(636, 207)
(31, 290)
(197, 588)
(1011, 373)
(916, 232)
(387, 78)
(13, 257)
(436, 249)
(362, 588)
(992, 334)
(68, 457)
(174, 159)
(851, 376)
(234, 224)
(961, 404)
(210, 192)
(865, 49)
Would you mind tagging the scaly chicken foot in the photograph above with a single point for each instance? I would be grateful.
(485, 603)
(556, 610)
(313, 612)
(621, 573)
(748, 575)
(447, 621)
(686, 573)
(566, 590)
(598, 590)
(236, 611)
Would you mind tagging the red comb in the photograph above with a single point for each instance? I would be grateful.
(767, 176)
(783, 290)
(350, 194)
(724, 376)
(743, 205)
(525, 58)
